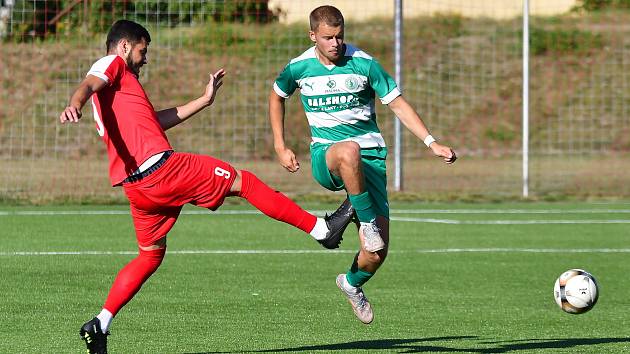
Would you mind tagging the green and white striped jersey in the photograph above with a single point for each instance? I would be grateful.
(339, 99)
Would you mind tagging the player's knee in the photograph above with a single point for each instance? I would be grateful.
(244, 184)
(237, 185)
(376, 257)
(153, 258)
(154, 245)
(352, 148)
(349, 153)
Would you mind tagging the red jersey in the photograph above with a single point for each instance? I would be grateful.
(125, 118)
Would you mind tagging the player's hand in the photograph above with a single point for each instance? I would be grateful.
(444, 151)
(70, 114)
(214, 83)
(288, 160)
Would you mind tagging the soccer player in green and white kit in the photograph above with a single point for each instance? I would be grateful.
(338, 84)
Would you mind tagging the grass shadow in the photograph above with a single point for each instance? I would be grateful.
(556, 343)
(421, 345)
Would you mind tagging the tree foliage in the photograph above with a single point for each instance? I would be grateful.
(598, 5)
(36, 18)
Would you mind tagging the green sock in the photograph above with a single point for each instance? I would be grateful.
(362, 203)
(357, 277)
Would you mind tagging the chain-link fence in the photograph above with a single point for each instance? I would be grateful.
(462, 70)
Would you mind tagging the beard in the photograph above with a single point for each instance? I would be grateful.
(135, 67)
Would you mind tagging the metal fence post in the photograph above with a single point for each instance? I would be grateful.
(525, 98)
(398, 18)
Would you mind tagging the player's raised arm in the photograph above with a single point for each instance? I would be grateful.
(173, 116)
(72, 113)
(414, 123)
(276, 117)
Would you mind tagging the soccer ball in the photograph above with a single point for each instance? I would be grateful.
(576, 291)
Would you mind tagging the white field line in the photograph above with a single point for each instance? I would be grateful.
(393, 212)
(509, 222)
(294, 252)
(321, 212)
(510, 211)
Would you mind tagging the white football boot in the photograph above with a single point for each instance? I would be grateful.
(360, 304)
(372, 240)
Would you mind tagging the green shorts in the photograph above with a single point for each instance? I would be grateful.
(374, 170)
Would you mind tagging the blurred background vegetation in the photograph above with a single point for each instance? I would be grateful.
(463, 75)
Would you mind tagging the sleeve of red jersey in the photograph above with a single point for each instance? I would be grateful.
(108, 69)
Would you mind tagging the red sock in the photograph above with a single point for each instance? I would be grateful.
(131, 278)
(275, 204)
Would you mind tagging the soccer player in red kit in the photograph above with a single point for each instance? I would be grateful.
(158, 181)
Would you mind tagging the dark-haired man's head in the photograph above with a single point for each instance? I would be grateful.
(130, 41)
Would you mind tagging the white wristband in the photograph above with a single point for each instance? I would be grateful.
(428, 140)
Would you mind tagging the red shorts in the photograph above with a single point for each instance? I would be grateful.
(157, 200)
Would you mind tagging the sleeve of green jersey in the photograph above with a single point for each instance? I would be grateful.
(383, 84)
(285, 85)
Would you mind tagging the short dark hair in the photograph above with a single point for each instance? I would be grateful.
(330, 15)
(125, 29)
